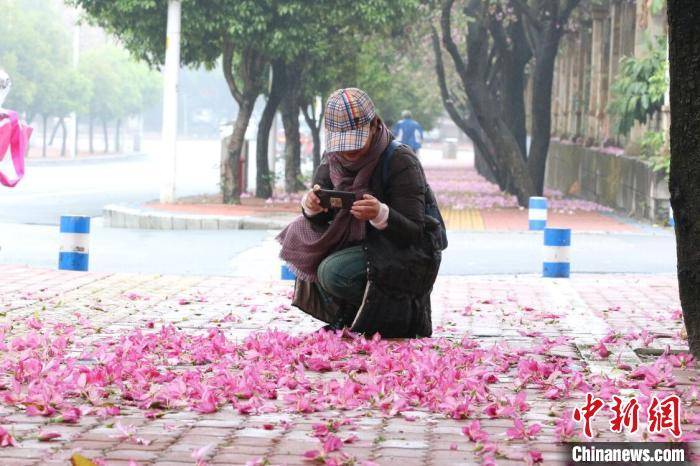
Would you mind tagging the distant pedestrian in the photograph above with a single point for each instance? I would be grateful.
(409, 131)
(367, 264)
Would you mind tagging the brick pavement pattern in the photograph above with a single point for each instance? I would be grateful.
(526, 314)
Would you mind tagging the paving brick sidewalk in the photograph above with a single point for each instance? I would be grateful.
(525, 313)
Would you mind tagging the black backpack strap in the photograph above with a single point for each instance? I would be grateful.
(386, 160)
(431, 206)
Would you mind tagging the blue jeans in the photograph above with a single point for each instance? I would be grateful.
(343, 276)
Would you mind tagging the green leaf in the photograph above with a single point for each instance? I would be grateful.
(639, 89)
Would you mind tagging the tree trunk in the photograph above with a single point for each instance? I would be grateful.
(514, 106)
(465, 120)
(684, 58)
(43, 144)
(315, 127)
(542, 81)
(292, 145)
(91, 130)
(117, 136)
(473, 74)
(250, 70)
(64, 135)
(138, 134)
(76, 135)
(54, 131)
(316, 136)
(264, 180)
(106, 135)
(482, 167)
(500, 136)
(230, 173)
(512, 80)
(300, 186)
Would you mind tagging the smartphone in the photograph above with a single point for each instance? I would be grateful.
(335, 199)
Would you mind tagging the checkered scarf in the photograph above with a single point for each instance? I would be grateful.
(305, 245)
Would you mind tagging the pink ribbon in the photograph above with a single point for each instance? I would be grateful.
(15, 136)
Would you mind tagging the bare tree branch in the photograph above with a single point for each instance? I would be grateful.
(227, 65)
(310, 120)
(449, 102)
(499, 37)
(478, 40)
(532, 35)
(566, 12)
(442, 83)
(525, 9)
(450, 46)
(532, 26)
(494, 66)
(460, 102)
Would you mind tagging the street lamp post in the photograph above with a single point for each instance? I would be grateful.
(170, 90)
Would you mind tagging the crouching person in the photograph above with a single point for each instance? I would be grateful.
(367, 263)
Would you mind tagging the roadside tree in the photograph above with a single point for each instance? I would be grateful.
(492, 45)
(230, 31)
(34, 53)
(121, 87)
(684, 58)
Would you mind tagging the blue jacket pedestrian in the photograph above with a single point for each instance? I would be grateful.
(409, 131)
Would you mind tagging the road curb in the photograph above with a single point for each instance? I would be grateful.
(118, 216)
(92, 159)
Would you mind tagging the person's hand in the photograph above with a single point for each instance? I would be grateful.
(312, 202)
(366, 208)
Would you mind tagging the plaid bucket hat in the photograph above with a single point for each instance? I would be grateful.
(348, 115)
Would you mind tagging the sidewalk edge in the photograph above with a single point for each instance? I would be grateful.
(92, 159)
(119, 216)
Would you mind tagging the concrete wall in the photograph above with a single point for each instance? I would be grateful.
(624, 183)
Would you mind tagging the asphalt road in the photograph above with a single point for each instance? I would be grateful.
(476, 253)
(254, 253)
(54, 188)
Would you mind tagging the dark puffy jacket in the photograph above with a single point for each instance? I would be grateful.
(402, 260)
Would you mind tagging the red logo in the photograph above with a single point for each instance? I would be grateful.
(665, 414)
(587, 412)
(627, 416)
(661, 414)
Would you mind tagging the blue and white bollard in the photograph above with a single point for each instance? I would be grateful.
(557, 242)
(671, 221)
(75, 243)
(287, 273)
(537, 213)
